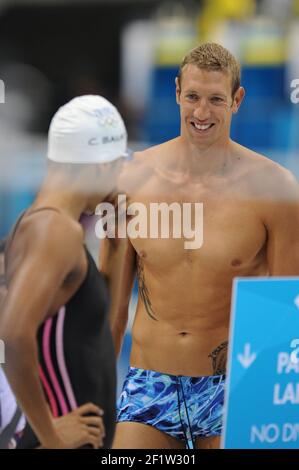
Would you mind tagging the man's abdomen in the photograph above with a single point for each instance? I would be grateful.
(194, 350)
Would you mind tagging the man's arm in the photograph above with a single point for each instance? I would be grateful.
(117, 256)
(117, 263)
(282, 223)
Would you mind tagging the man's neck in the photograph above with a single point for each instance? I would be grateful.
(205, 161)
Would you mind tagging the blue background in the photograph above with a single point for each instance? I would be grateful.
(263, 314)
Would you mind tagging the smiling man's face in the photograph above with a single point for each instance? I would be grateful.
(206, 105)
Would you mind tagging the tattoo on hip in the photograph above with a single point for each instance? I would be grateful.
(219, 358)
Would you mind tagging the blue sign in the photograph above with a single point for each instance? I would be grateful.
(262, 394)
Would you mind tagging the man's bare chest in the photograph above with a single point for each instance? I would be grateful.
(196, 228)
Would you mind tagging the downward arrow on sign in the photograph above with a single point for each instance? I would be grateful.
(247, 358)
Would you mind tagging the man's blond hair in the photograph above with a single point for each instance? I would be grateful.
(212, 56)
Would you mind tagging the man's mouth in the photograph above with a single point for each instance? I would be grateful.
(202, 127)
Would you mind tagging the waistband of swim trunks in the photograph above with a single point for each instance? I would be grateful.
(137, 372)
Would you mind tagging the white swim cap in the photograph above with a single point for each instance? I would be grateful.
(88, 129)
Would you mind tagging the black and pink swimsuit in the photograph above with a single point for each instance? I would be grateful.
(76, 354)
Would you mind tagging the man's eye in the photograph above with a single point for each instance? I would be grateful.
(191, 96)
(217, 99)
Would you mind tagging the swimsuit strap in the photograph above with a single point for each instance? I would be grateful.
(16, 226)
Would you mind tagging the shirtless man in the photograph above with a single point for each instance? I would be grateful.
(173, 393)
(60, 360)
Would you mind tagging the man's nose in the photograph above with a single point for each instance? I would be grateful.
(202, 111)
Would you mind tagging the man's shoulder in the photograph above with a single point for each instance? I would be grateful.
(142, 167)
(150, 154)
(268, 175)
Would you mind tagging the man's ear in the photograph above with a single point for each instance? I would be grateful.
(177, 90)
(238, 98)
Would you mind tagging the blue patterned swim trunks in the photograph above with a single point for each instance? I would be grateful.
(183, 407)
